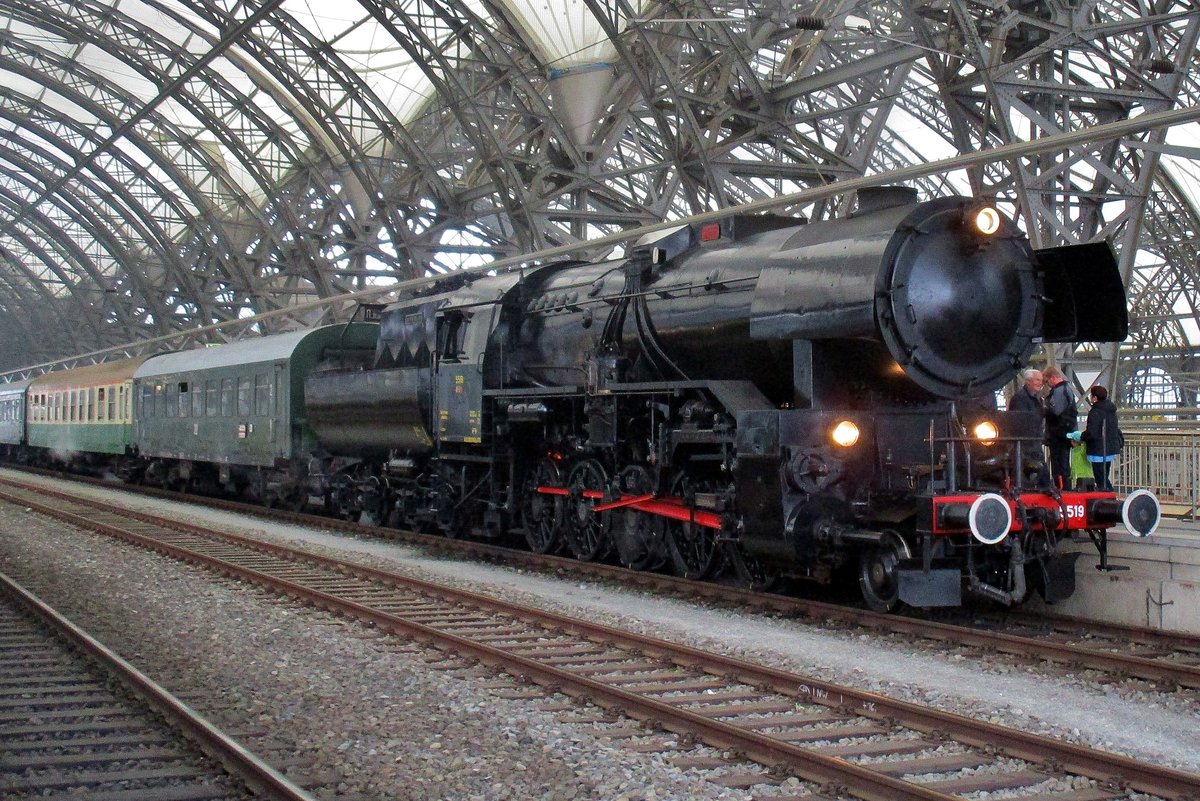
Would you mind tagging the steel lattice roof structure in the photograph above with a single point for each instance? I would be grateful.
(182, 171)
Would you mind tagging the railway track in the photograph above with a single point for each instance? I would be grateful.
(67, 729)
(845, 742)
(1169, 660)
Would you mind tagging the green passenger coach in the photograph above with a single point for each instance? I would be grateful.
(83, 417)
(233, 415)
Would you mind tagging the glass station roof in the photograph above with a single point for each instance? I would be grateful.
(182, 171)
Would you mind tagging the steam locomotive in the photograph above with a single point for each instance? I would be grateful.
(758, 395)
(755, 397)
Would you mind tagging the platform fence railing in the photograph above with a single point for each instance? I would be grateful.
(1166, 462)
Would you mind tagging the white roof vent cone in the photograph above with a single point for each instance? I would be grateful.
(578, 97)
(574, 45)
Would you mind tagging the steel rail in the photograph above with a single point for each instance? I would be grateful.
(1035, 748)
(1162, 671)
(243, 764)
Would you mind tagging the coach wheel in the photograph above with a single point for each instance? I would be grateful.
(695, 551)
(587, 531)
(638, 536)
(878, 576)
(543, 514)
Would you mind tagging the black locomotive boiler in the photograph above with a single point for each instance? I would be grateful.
(759, 396)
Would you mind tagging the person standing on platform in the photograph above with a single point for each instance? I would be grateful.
(1102, 436)
(1061, 419)
(1029, 399)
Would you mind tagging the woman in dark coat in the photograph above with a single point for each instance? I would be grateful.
(1102, 436)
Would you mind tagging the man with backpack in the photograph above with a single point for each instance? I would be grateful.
(1062, 417)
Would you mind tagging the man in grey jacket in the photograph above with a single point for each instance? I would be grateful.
(1062, 417)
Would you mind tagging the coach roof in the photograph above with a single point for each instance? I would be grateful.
(271, 348)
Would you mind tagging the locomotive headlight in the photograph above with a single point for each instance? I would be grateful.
(986, 220)
(845, 434)
(986, 432)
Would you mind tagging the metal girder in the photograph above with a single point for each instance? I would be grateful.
(278, 171)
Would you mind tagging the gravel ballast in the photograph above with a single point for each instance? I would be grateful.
(368, 715)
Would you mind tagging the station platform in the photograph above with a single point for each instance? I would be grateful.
(1160, 587)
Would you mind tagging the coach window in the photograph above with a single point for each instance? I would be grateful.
(114, 395)
(185, 399)
(212, 403)
(101, 404)
(227, 397)
(264, 396)
(245, 388)
(172, 394)
(198, 400)
(72, 406)
(160, 395)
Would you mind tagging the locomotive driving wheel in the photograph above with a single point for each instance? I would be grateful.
(878, 578)
(587, 531)
(695, 550)
(543, 515)
(638, 536)
(750, 573)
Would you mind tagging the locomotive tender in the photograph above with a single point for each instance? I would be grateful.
(759, 396)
